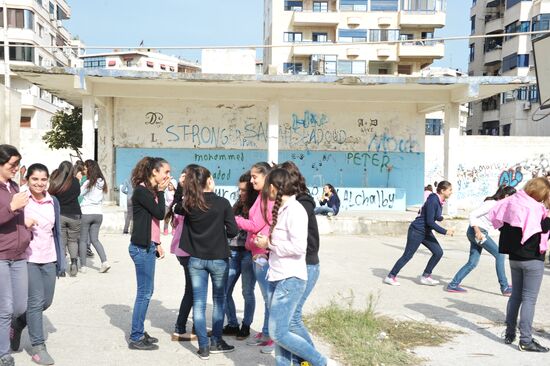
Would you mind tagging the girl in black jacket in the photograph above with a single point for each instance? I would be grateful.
(150, 178)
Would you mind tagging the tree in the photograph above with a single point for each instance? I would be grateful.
(66, 132)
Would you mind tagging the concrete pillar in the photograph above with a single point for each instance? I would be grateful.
(106, 154)
(273, 133)
(451, 151)
(88, 129)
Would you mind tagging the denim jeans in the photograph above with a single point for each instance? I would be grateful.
(285, 297)
(200, 269)
(13, 297)
(414, 239)
(473, 260)
(323, 210)
(527, 278)
(187, 299)
(144, 261)
(265, 288)
(240, 264)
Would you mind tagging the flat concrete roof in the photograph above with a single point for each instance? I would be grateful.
(428, 93)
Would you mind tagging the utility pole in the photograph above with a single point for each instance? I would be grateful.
(7, 80)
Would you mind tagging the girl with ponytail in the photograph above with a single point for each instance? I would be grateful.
(287, 274)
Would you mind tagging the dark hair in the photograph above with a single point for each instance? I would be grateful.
(264, 168)
(37, 168)
(333, 190)
(282, 182)
(242, 207)
(143, 171)
(7, 152)
(443, 185)
(79, 167)
(196, 179)
(502, 192)
(93, 172)
(61, 178)
(429, 188)
(178, 196)
(298, 180)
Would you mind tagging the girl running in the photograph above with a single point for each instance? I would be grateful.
(420, 232)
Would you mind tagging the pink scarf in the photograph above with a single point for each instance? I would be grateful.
(520, 210)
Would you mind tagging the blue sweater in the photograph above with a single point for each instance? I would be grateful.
(333, 202)
(429, 214)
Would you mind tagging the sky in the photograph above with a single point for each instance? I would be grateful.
(210, 23)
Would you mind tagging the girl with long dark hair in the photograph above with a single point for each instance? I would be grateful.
(208, 223)
(92, 191)
(150, 178)
(329, 202)
(66, 188)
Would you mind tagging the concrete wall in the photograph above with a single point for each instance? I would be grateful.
(351, 145)
(34, 150)
(485, 162)
(9, 130)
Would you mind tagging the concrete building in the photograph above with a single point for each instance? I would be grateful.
(510, 113)
(36, 35)
(323, 36)
(144, 59)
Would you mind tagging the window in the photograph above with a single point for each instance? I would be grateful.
(473, 24)
(404, 69)
(52, 9)
(377, 35)
(18, 52)
(352, 35)
(384, 5)
(94, 62)
(40, 30)
(492, 44)
(20, 18)
(320, 6)
(352, 67)
(292, 37)
(516, 27)
(425, 6)
(510, 3)
(294, 5)
(319, 37)
(323, 64)
(514, 60)
(540, 23)
(472, 52)
(533, 93)
(354, 5)
(292, 67)
(434, 126)
(25, 122)
(506, 129)
(1, 17)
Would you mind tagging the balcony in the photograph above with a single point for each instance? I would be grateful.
(493, 115)
(494, 25)
(422, 49)
(492, 57)
(308, 18)
(383, 52)
(354, 21)
(384, 21)
(422, 19)
(314, 48)
(353, 52)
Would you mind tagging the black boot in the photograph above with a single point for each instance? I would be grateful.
(73, 270)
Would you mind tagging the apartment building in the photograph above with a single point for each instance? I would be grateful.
(36, 36)
(511, 113)
(322, 36)
(141, 60)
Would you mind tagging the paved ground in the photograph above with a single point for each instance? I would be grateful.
(89, 321)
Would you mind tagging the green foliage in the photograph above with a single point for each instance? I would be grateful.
(66, 132)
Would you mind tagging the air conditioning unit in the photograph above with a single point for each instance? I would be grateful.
(59, 23)
(52, 17)
(527, 106)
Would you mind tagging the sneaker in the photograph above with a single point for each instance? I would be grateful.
(41, 356)
(267, 347)
(256, 340)
(73, 269)
(428, 281)
(89, 253)
(534, 346)
(243, 333)
(15, 335)
(7, 360)
(456, 288)
(392, 281)
(221, 347)
(63, 274)
(142, 345)
(204, 353)
(104, 267)
(83, 269)
(125, 233)
(507, 291)
(230, 330)
(509, 338)
(183, 337)
(150, 339)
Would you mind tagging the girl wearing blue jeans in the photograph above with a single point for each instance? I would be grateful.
(287, 274)
(150, 178)
(479, 239)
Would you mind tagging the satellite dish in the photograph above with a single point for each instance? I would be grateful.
(541, 47)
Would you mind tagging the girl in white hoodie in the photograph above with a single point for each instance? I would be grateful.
(92, 191)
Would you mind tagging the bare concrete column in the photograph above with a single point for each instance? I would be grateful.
(88, 140)
(451, 151)
(106, 154)
(273, 133)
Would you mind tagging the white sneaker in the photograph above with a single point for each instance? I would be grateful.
(428, 281)
(267, 347)
(391, 281)
(82, 269)
(104, 267)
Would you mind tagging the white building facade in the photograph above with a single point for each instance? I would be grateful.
(510, 113)
(321, 37)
